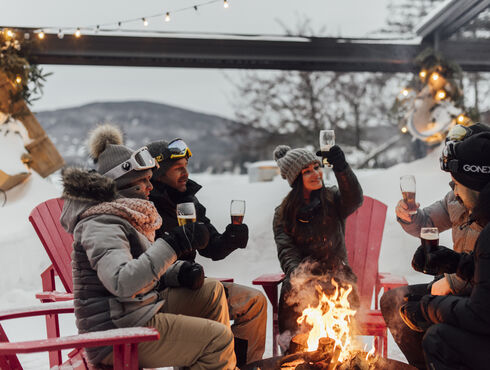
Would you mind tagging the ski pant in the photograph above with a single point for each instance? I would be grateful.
(447, 347)
(248, 310)
(194, 329)
(409, 341)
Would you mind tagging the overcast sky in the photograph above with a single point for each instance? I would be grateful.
(205, 90)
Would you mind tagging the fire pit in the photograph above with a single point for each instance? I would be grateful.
(273, 363)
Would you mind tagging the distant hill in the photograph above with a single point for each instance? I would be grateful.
(142, 122)
(217, 143)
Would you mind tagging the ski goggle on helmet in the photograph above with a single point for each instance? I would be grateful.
(458, 133)
(140, 160)
(176, 149)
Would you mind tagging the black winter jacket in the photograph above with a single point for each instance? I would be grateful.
(166, 199)
(315, 238)
(469, 313)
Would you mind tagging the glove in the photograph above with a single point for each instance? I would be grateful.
(191, 275)
(188, 238)
(466, 266)
(411, 314)
(438, 261)
(237, 235)
(335, 156)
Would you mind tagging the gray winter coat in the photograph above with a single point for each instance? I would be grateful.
(448, 213)
(116, 269)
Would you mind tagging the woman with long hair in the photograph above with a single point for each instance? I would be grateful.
(309, 230)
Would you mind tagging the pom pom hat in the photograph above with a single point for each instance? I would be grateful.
(292, 161)
(105, 145)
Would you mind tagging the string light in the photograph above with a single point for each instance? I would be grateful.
(10, 33)
(435, 76)
(18, 79)
(405, 92)
(422, 74)
(440, 95)
(404, 129)
(461, 118)
(166, 15)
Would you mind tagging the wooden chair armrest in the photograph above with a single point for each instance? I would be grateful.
(269, 279)
(389, 281)
(54, 296)
(38, 310)
(100, 338)
(225, 280)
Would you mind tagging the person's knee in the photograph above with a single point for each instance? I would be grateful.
(392, 299)
(260, 301)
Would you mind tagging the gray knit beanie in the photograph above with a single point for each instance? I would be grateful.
(292, 161)
(106, 148)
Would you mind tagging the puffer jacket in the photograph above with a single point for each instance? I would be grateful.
(467, 313)
(316, 238)
(166, 199)
(116, 269)
(448, 213)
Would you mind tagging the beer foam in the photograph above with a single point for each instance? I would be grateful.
(429, 236)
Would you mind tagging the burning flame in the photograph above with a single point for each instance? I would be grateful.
(330, 318)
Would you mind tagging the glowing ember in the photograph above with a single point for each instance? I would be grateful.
(331, 318)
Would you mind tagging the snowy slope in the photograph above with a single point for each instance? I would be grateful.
(23, 257)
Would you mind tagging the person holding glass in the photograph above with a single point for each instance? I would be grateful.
(171, 187)
(449, 213)
(309, 230)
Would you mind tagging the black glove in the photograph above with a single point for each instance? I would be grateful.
(188, 238)
(411, 314)
(191, 275)
(437, 261)
(466, 266)
(335, 156)
(237, 235)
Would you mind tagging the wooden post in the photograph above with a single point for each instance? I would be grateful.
(45, 157)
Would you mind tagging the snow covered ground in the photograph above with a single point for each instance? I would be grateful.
(23, 257)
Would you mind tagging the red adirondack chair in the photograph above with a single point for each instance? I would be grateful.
(124, 341)
(363, 236)
(45, 218)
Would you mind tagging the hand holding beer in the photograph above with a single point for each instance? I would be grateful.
(327, 141)
(429, 236)
(186, 213)
(407, 207)
(237, 211)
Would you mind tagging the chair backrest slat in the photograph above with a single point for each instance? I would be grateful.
(363, 236)
(45, 219)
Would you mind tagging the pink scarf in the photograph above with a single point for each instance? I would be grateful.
(141, 213)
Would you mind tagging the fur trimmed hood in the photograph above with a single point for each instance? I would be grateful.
(82, 189)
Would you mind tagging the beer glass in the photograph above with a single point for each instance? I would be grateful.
(237, 211)
(407, 186)
(429, 236)
(186, 213)
(327, 141)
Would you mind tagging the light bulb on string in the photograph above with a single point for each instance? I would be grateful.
(145, 22)
(41, 35)
(404, 129)
(423, 74)
(78, 33)
(60, 34)
(405, 92)
(440, 95)
(18, 79)
(167, 17)
(435, 76)
(10, 33)
(226, 5)
(461, 118)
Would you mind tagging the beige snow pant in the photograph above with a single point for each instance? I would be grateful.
(248, 310)
(194, 329)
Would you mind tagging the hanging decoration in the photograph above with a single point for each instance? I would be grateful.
(25, 79)
(433, 101)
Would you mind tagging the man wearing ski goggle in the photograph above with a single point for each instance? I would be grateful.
(171, 186)
(140, 160)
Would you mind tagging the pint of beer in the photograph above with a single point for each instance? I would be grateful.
(407, 186)
(237, 211)
(186, 213)
(429, 237)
